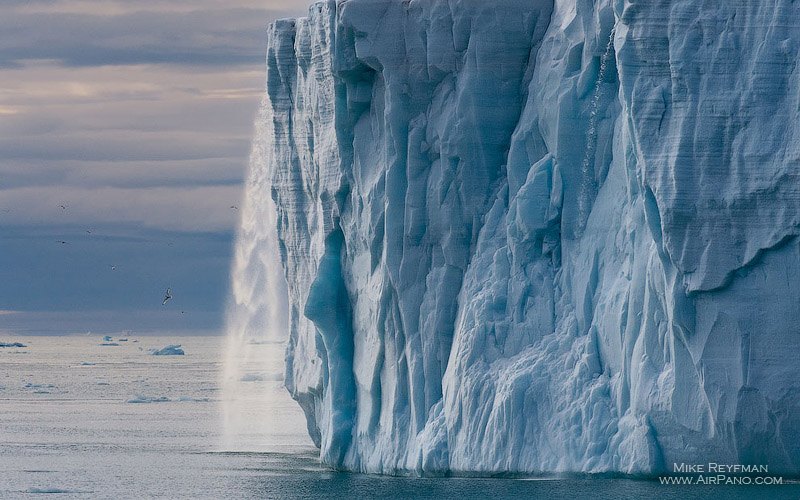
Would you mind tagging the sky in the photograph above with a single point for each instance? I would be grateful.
(125, 128)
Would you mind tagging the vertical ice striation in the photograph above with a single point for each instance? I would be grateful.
(536, 235)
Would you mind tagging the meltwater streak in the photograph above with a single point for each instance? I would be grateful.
(255, 403)
(588, 183)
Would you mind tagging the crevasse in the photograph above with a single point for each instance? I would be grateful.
(540, 236)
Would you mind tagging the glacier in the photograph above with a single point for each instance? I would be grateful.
(537, 235)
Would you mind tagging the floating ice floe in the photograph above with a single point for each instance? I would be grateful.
(31, 385)
(139, 399)
(188, 399)
(148, 399)
(12, 344)
(170, 350)
(50, 490)
(39, 388)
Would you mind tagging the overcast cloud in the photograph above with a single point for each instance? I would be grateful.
(136, 117)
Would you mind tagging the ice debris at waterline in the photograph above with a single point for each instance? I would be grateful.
(539, 236)
(170, 350)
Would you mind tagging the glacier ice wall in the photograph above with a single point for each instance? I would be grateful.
(536, 235)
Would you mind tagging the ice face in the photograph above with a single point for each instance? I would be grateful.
(540, 236)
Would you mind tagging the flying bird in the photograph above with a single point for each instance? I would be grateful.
(113, 268)
(62, 242)
(167, 296)
(63, 207)
(234, 207)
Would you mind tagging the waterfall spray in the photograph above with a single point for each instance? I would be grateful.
(255, 403)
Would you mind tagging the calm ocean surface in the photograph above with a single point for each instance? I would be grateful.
(83, 420)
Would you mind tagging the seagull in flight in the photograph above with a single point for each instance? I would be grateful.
(63, 207)
(62, 242)
(234, 207)
(167, 296)
(113, 267)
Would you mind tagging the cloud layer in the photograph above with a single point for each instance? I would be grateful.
(135, 116)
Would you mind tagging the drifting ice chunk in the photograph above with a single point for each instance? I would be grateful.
(163, 399)
(170, 350)
(147, 399)
(51, 490)
(31, 385)
(189, 399)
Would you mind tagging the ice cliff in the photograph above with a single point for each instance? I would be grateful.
(536, 235)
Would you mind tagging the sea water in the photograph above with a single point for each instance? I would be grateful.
(83, 420)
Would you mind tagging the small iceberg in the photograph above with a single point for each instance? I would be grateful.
(87, 363)
(147, 399)
(107, 338)
(31, 385)
(12, 344)
(111, 344)
(163, 399)
(187, 399)
(40, 388)
(50, 490)
(170, 350)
